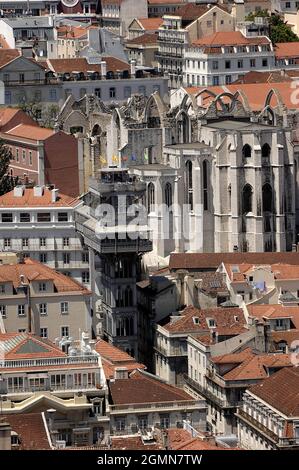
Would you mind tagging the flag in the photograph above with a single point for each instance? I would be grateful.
(115, 159)
(103, 160)
(124, 159)
(133, 158)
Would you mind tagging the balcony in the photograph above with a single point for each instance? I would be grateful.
(257, 425)
(55, 361)
(147, 407)
(54, 389)
(171, 351)
(44, 81)
(205, 392)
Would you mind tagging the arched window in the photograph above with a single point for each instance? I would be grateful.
(246, 151)
(247, 199)
(189, 184)
(168, 194)
(267, 198)
(229, 190)
(266, 150)
(205, 184)
(150, 197)
(128, 297)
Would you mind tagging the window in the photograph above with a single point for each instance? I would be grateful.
(65, 331)
(252, 62)
(7, 97)
(7, 243)
(85, 277)
(21, 310)
(228, 79)
(25, 217)
(43, 217)
(120, 424)
(62, 216)
(168, 194)
(53, 95)
(127, 92)
(240, 64)
(25, 242)
(6, 217)
(64, 308)
(42, 242)
(43, 309)
(279, 323)
(42, 287)
(246, 151)
(227, 64)
(21, 77)
(3, 311)
(150, 197)
(66, 242)
(216, 81)
(66, 258)
(2, 288)
(112, 92)
(17, 155)
(97, 92)
(141, 90)
(265, 62)
(44, 332)
(205, 185)
(215, 65)
(143, 422)
(247, 199)
(189, 184)
(85, 257)
(30, 157)
(164, 421)
(288, 4)
(43, 257)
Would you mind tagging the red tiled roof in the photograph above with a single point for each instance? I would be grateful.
(233, 358)
(30, 430)
(30, 200)
(3, 42)
(229, 321)
(7, 56)
(264, 77)
(144, 388)
(145, 39)
(231, 38)
(165, 2)
(31, 132)
(8, 114)
(71, 32)
(287, 336)
(27, 346)
(281, 391)
(284, 50)
(273, 311)
(113, 358)
(132, 443)
(34, 271)
(255, 367)
(212, 261)
(150, 24)
(81, 65)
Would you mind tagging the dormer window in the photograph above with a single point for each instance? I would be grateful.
(15, 441)
(211, 323)
(196, 321)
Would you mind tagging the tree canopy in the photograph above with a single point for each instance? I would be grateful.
(7, 182)
(279, 31)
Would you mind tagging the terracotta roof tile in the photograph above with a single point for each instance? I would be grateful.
(281, 391)
(288, 336)
(81, 65)
(144, 388)
(132, 443)
(256, 367)
(31, 132)
(284, 50)
(71, 32)
(33, 270)
(233, 358)
(228, 321)
(211, 261)
(232, 38)
(113, 358)
(147, 38)
(150, 24)
(30, 200)
(273, 311)
(30, 430)
(7, 56)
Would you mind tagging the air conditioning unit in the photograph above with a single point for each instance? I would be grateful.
(61, 444)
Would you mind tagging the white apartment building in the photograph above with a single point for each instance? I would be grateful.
(222, 58)
(36, 299)
(39, 222)
(269, 418)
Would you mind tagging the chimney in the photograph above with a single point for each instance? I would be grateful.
(5, 436)
(103, 68)
(54, 195)
(38, 191)
(133, 68)
(18, 191)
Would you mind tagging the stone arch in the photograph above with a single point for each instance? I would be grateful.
(154, 110)
(183, 127)
(267, 115)
(277, 94)
(247, 197)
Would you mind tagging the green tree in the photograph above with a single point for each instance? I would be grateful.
(7, 183)
(279, 31)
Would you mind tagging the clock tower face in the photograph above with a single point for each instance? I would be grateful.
(70, 3)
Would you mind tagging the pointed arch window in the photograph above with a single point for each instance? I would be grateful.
(247, 199)
(205, 184)
(150, 197)
(246, 151)
(189, 184)
(168, 194)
